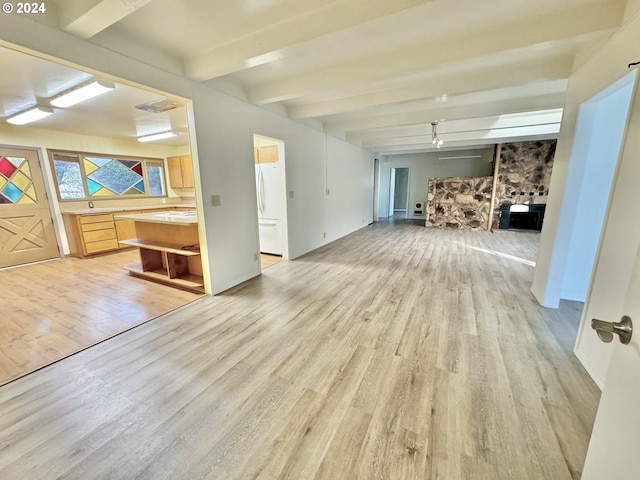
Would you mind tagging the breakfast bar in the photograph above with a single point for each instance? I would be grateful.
(169, 249)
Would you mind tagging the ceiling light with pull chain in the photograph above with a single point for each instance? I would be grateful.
(434, 135)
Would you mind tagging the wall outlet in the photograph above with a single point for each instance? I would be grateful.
(215, 200)
(291, 194)
(90, 204)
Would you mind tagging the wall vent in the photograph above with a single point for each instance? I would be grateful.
(159, 106)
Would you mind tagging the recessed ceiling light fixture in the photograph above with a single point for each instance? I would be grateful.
(30, 115)
(82, 92)
(157, 136)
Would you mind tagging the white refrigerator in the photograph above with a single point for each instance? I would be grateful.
(269, 190)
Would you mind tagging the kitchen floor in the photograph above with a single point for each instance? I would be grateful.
(56, 308)
(266, 260)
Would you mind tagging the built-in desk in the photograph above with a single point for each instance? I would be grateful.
(169, 249)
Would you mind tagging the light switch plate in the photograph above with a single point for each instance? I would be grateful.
(291, 194)
(215, 200)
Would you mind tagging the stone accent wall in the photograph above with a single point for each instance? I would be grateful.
(524, 174)
(459, 202)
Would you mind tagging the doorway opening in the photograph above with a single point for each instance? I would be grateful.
(598, 139)
(270, 177)
(399, 192)
(600, 132)
(108, 172)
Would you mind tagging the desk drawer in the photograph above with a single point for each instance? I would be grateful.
(99, 235)
(89, 227)
(102, 246)
(107, 217)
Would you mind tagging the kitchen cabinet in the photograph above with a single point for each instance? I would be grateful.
(90, 234)
(180, 171)
(169, 251)
(266, 154)
(125, 229)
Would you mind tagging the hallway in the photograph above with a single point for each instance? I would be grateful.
(395, 352)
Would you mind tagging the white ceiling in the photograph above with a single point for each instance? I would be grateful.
(113, 114)
(377, 72)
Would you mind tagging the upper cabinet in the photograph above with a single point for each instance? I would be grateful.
(180, 171)
(266, 154)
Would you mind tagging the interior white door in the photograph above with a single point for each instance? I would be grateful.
(615, 442)
(392, 191)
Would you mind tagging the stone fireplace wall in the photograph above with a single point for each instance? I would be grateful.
(524, 173)
(459, 202)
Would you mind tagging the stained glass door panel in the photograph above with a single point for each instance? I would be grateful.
(26, 228)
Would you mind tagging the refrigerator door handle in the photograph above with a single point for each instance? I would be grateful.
(261, 192)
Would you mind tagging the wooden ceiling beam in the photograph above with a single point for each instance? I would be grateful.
(513, 74)
(86, 18)
(354, 125)
(267, 44)
(547, 31)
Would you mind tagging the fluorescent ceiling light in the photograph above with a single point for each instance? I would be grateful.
(460, 157)
(157, 136)
(30, 115)
(82, 92)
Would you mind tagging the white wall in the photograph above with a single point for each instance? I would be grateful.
(349, 206)
(599, 131)
(622, 231)
(423, 166)
(221, 129)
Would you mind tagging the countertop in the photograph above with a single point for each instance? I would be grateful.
(170, 218)
(89, 211)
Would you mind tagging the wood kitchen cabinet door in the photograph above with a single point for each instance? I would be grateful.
(180, 171)
(266, 154)
(125, 229)
(90, 234)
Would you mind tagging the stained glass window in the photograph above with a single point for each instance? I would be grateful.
(115, 177)
(16, 185)
(83, 176)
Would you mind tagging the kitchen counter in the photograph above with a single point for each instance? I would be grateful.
(169, 248)
(170, 218)
(96, 211)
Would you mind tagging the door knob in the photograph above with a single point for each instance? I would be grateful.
(605, 330)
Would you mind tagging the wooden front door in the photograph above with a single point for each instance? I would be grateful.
(26, 228)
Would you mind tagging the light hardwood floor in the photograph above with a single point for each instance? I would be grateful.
(56, 308)
(266, 260)
(398, 352)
